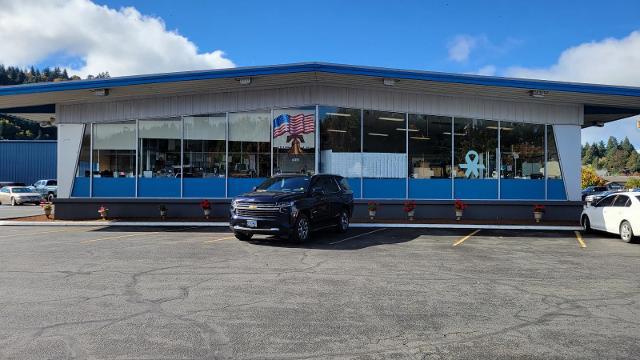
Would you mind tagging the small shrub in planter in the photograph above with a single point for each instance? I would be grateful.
(373, 208)
(163, 211)
(47, 207)
(538, 211)
(206, 208)
(409, 208)
(459, 206)
(103, 211)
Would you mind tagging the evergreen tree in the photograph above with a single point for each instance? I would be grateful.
(626, 145)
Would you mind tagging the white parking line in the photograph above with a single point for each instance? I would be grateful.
(356, 236)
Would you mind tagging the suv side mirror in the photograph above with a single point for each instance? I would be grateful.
(317, 191)
(254, 188)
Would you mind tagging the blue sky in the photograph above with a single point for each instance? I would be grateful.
(588, 41)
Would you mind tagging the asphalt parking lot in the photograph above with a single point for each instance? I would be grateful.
(9, 212)
(187, 293)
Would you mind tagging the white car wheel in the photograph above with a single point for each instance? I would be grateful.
(13, 202)
(626, 232)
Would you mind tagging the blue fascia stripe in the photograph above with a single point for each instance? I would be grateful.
(326, 68)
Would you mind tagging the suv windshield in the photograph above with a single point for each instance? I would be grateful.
(20, 190)
(285, 184)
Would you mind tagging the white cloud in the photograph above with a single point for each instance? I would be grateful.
(122, 42)
(460, 47)
(488, 70)
(609, 61)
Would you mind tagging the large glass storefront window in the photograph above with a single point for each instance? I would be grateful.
(81, 183)
(340, 144)
(475, 167)
(249, 159)
(294, 141)
(384, 155)
(114, 159)
(429, 157)
(204, 155)
(160, 157)
(522, 161)
(555, 184)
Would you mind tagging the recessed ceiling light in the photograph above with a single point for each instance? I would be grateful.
(338, 114)
(336, 130)
(390, 118)
(377, 134)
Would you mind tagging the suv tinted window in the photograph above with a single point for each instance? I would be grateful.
(344, 184)
(52, 183)
(327, 184)
(621, 201)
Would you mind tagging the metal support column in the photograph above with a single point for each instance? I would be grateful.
(226, 156)
(317, 140)
(406, 151)
(90, 160)
(137, 171)
(453, 175)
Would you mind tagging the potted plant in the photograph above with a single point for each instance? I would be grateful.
(206, 208)
(103, 211)
(373, 208)
(163, 212)
(538, 211)
(410, 208)
(459, 206)
(47, 208)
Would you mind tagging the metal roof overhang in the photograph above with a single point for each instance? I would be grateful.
(603, 103)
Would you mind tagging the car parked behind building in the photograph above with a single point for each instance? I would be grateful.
(18, 195)
(48, 189)
(292, 206)
(590, 190)
(617, 213)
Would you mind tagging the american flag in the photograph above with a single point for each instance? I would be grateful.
(293, 124)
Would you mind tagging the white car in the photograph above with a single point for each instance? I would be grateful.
(617, 213)
(18, 195)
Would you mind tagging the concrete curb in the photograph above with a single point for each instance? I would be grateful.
(225, 224)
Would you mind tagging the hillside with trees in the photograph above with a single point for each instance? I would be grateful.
(617, 157)
(17, 129)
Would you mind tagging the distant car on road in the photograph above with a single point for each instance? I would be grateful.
(292, 206)
(18, 195)
(597, 196)
(590, 190)
(617, 213)
(48, 189)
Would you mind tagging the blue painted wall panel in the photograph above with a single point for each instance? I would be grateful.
(114, 187)
(555, 190)
(430, 188)
(239, 186)
(27, 161)
(80, 187)
(203, 188)
(163, 187)
(476, 189)
(354, 183)
(384, 188)
(522, 189)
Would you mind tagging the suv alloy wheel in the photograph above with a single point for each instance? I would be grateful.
(301, 231)
(343, 222)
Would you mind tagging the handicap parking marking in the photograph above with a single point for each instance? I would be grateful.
(581, 242)
(357, 236)
(465, 238)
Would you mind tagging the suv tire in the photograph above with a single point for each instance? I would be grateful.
(13, 202)
(302, 230)
(626, 232)
(343, 222)
(242, 236)
(50, 197)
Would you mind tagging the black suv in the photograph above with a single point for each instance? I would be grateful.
(292, 206)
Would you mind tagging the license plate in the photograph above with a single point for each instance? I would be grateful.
(252, 223)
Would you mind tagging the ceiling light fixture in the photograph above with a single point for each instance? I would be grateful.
(377, 134)
(420, 138)
(338, 114)
(410, 130)
(390, 119)
(336, 130)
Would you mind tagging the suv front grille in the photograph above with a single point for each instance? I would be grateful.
(265, 211)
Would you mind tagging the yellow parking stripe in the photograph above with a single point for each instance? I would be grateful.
(135, 234)
(580, 240)
(220, 239)
(465, 238)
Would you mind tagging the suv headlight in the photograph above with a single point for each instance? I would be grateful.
(234, 204)
(286, 205)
